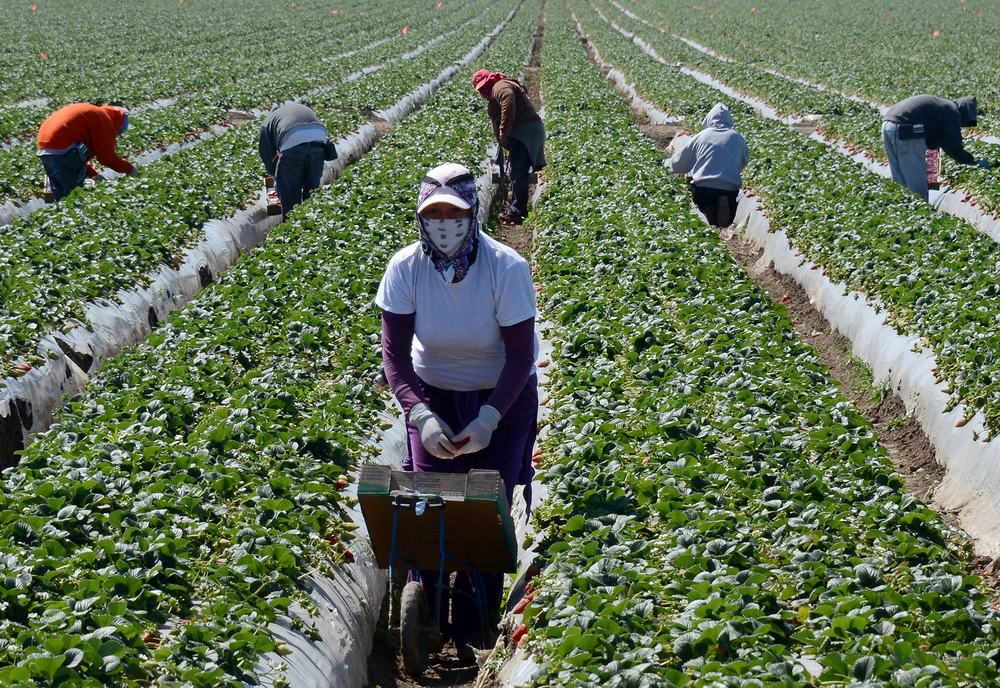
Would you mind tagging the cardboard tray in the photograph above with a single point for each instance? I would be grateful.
(271, 197)
(478, 528)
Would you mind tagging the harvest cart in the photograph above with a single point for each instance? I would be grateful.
(271, 194)
(436, 521)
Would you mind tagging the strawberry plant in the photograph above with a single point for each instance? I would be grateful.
(182, 118)
(719, 514)
(181, 505)
(878, 239)
(883, 54)
(99, 241)
(842, 118)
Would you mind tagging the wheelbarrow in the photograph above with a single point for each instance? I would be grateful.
(436, 521)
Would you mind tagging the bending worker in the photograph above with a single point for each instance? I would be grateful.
(519, 129)
(458, 346)
(714, 158)
(71, 136)
(293, 147)
(916, 124)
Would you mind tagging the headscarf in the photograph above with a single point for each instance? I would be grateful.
(484, 79)
(438, 182)
(119, 117)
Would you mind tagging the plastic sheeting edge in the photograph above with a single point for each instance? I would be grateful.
(971, 485)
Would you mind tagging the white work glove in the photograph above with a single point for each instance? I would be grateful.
(434, 432)
(476, 435)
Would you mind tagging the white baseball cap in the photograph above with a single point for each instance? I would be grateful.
(441, 176)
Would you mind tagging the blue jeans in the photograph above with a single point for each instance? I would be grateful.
(907, 159)
(66, 171)
(520, 162)
(298, 173)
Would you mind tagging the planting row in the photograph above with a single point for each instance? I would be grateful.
(840, 118)
(161, 49)
(185, 117)
(101, 240)
(719, 515)
(187, 498)
(878, 239)
(883, 54)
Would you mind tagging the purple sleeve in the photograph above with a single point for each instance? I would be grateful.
(519, 349)
(397, 340)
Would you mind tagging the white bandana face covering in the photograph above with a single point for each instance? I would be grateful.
(447, 235)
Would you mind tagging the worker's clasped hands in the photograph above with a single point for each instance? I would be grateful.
(439, 440)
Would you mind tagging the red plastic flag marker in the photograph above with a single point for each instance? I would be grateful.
(936, 34)
(34, 7)
(293, 4)
(404, 30)
(712, 16)
(754, 9)
(440, 3)
(44, 57)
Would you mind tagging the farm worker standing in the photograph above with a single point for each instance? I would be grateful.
(459, 348)
(293, 148)
(916, 124)
(519, 129)
(72, 135)
(714, 158)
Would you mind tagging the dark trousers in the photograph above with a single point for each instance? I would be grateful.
(298, 173)
(67, 171)
(465, 626)
(707, 200)
(520, 162)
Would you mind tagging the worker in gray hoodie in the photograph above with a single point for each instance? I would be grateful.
(916, 124)
(714, 158)
(293, 147)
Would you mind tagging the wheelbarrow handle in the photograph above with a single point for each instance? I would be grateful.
(410, 500)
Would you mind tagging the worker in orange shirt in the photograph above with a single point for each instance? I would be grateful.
(72, 135)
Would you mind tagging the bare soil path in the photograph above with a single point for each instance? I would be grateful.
(385, 666)
(518, 237)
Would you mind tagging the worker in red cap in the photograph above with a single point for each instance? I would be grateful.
(518, 128)
(71, 136)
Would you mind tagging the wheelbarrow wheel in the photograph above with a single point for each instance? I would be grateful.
(414, 628)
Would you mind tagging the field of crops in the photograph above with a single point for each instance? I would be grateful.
(718, 511)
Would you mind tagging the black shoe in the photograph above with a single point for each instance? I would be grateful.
(511, 219)
(466, 653)
(723, 216)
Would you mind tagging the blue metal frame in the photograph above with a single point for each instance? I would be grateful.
(435, 501)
